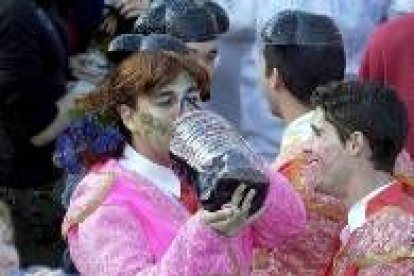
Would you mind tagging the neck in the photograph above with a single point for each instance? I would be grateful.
(152, 154)
(364, 182)
(290, 108)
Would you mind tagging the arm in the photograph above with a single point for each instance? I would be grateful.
(112, 242)
(59, 123)
(284, 214)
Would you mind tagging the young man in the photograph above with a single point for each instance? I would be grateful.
(355, 19)
(301, 52)
(358, 132)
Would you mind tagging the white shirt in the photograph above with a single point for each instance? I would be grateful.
(163, 178)
(297, 134)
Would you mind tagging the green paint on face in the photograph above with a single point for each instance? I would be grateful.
(153, 125)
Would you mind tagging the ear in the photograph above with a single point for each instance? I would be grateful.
(128, 117)
(356, 143)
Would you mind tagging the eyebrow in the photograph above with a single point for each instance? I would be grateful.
(161, 93)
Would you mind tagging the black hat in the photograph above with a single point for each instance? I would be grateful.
(294, 27)
(124, 45)
(189, 20)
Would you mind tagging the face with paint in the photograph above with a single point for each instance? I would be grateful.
(333, 159)
(151, 120)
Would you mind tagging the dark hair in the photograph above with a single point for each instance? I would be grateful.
(370, 108)
(306, 49)
(188, 20)
(125, 45)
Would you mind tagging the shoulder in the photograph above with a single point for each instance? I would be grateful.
(90, 193)
(395, 27)
(385, 237)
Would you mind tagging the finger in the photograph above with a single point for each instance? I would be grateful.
(221, 227)
(238, 195)
(214, 217)
(247, 203)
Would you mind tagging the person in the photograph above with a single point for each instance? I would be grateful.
(34, 110)
(387, 60)
(291, 37)
(131, 214)
(9, 259)
(359, 130)
(197, 23)
(27, 71)
(355, 19)
(238, 72)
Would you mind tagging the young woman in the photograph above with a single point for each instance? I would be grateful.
(131, 215)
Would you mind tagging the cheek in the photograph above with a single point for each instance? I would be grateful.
(154, 125)
(326, 150)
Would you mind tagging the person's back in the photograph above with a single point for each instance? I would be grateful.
(389, 59)
(32, 79)
(32, 88)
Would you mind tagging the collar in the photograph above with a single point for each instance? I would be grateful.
(296, 133)
(357, 213)
(303, 121)
(162, 177)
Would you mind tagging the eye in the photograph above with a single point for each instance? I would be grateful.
(212, 55)
(193, 96)
(165, 99)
